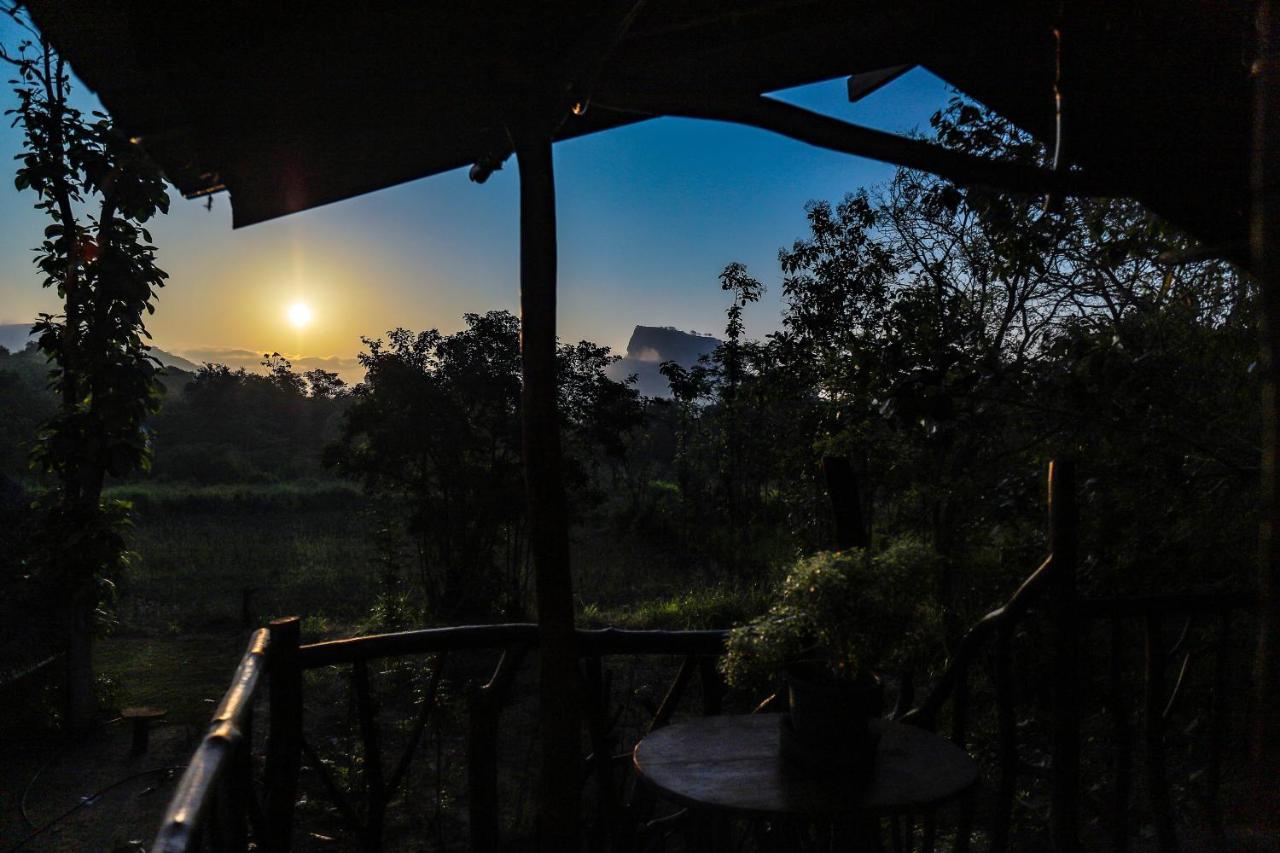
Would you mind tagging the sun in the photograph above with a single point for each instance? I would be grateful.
(300, 314)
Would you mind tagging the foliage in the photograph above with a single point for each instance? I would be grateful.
(97, 190)
(743, 429)
(948, 341)
(233, 426)
(435, 429)
(846, 611)
(25, 403)
(698, 608)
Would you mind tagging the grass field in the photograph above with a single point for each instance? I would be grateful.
(198, 550)
(307, 549)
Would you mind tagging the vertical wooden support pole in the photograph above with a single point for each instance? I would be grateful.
(284, 739)
(1064, 817)
(1265, 240)
(558, 713)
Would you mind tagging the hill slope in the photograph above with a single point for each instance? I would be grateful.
(15, 336)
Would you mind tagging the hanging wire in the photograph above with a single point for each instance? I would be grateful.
(89, 800)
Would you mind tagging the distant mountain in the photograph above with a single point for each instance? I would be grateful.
(168, 359)
(649, 347)
(15, 336)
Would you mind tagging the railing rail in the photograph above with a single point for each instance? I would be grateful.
(591, 642)
(218, 772)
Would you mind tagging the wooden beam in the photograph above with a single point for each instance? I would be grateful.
(858, 86)
(544, 488)
(836, 135)
(1265, 240)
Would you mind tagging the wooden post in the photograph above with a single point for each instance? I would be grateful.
(1153, 733)
(284, 740)
(482, 771)
(1265, 239)
(1123, 738)
(375, 787)
(559, 724)
(846, 503)
(1064, 814)
(484, 705)
(1006, 732)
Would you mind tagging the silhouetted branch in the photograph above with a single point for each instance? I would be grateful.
(831, 133)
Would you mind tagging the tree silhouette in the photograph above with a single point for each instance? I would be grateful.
(97, 190)
(435, 428)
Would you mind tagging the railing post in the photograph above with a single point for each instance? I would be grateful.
(846, 503)
(1153, 734)
(284, 742)
(1064, 814)
(1007, 735)
(484, 706)
(375, 787)
(712, 686)
(482, 770)
(1123, 737)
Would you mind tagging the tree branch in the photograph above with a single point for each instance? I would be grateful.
(826, 132)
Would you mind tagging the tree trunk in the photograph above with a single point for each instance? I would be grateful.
(544, 488)
(81, 708)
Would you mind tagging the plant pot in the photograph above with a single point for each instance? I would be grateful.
(826, 724)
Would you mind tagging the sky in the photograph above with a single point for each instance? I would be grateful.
(647, 215)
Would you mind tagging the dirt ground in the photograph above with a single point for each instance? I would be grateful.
(59, 778)
(90, 794)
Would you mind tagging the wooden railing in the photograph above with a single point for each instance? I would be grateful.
(1051, 588)
(216, 798)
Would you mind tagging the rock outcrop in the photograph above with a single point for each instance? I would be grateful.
(649, 347)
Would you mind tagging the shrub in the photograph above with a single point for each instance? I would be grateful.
(847, 611)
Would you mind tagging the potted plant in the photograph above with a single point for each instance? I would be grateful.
(840, 620)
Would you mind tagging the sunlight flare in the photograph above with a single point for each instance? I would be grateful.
(300, 314)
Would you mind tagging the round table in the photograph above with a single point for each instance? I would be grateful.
(730, 765)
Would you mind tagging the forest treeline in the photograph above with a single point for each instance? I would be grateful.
(947, 342)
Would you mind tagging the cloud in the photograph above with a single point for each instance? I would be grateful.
(347, 367)
(646, 354)
(223, 355)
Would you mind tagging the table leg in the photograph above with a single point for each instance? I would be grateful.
(713, 832)
(860, 835)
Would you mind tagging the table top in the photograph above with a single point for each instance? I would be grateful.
(731, 763)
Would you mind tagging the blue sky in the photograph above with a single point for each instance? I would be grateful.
(648, 216)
